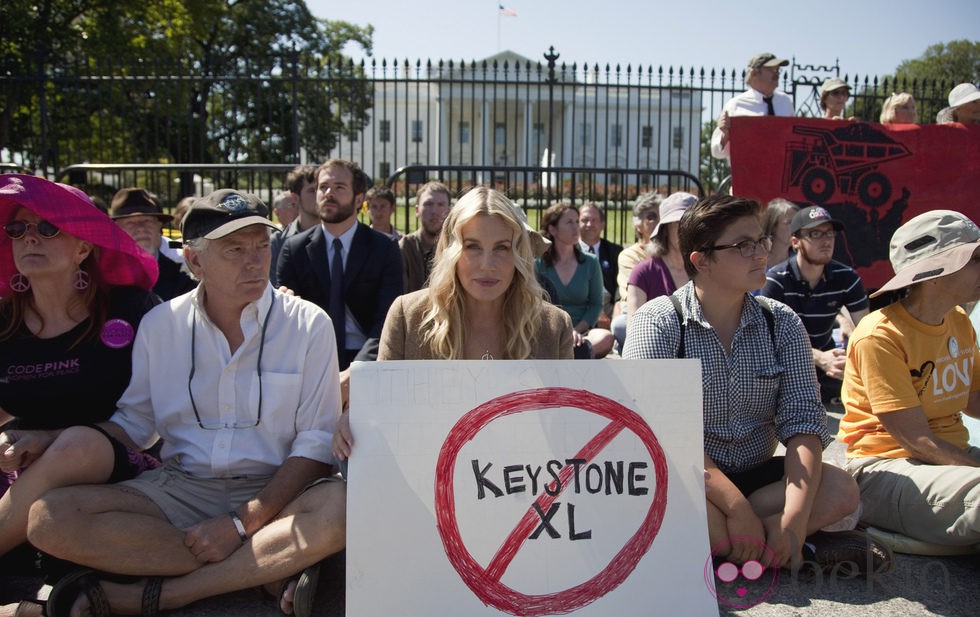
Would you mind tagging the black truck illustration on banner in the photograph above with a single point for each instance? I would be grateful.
(844, 159)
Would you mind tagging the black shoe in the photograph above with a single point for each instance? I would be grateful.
(851, 553)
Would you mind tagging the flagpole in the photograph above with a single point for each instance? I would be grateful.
(498, 28)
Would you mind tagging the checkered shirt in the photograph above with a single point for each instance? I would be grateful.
(763, 392)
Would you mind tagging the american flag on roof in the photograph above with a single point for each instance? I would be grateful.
(506, 11)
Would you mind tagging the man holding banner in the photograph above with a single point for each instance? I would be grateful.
(761, 99)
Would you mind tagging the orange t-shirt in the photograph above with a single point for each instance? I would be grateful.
(896, 362)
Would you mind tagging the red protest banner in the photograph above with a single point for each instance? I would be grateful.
(871, 177)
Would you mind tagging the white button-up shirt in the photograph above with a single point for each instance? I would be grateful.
(299, 394)
(749, 103)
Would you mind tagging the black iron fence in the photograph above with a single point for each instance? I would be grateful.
(506, 111)
(614, 190)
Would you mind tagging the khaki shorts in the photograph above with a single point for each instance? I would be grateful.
(187, 500)
(934, 503)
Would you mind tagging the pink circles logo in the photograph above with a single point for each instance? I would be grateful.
(739, 587)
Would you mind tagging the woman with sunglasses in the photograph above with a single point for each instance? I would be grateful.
(73, 288)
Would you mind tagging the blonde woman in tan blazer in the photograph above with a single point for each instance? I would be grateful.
(483, 301)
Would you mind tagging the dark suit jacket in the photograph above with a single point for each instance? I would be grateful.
(174, 280)
(372, 277)
(609, 261)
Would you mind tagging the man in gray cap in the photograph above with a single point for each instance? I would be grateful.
(245, 495)
(761, 99)
(139, 214)
(816, 287)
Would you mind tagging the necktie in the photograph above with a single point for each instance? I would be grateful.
(592, 249)
(336, 304)
(768, 100)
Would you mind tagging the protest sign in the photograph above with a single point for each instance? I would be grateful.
(526, 488)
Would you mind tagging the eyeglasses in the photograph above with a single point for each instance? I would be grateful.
(16, 230)
(258, 371)
(746, 248)
(816, 235)
(651, 216)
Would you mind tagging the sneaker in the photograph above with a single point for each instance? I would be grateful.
(852, 553)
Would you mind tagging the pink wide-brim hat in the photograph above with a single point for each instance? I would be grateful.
(121, 260)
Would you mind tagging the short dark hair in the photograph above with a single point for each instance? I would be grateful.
(360, 182)
(300, 175)
(382, 192)
(706, 221)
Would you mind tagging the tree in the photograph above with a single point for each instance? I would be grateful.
(713, 171)
(197, 81)
(929, 78)
(955, 62)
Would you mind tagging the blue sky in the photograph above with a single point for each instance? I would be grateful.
(869, 37)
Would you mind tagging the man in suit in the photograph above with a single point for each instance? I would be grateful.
(348, 269)
(591, 223)
(301, 184)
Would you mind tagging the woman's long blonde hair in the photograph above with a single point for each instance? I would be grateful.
(444, 322)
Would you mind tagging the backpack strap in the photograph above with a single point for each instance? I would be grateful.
(763, 304)
(770, 318)
(680, 353)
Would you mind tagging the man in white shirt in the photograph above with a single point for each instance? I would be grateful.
(244, 496)
(761, 99)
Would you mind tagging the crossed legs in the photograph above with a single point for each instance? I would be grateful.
(115, 529)
(837, 496)
(79, 455)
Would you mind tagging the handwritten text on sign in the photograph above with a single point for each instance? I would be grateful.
(526, 488)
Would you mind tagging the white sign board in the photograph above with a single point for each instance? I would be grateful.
(527, 488)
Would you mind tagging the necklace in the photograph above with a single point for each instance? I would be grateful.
(487, 355)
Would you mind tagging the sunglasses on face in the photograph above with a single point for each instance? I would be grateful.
(16, 230)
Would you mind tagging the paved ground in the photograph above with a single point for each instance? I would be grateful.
(916, 587)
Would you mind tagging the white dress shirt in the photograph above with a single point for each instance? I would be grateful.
(300, 389)
(749, 103)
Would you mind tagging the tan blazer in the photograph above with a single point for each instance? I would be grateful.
(401, 337)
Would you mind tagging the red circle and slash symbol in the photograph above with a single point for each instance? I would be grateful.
(485, 582)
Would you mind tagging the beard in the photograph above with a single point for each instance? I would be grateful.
(814, 257)
(340, 213)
